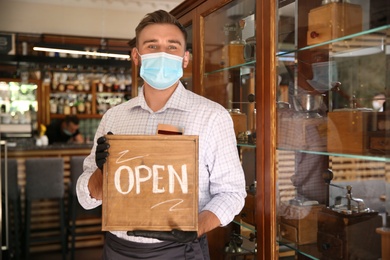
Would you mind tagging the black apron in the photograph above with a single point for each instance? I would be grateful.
(119, 249)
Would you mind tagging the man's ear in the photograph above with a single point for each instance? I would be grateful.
(186, 59)
(135, 57)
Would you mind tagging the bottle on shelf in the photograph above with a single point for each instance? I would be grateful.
(100, 87)
(80, 104)
(53, 105)
(67, 110)
(60, 106)
(88, 105)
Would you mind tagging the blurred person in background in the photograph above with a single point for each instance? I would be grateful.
(64, 130)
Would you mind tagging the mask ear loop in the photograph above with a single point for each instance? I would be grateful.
(140, 57)
(138, 52)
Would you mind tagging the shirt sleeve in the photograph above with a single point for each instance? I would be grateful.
(226, 176)
(89, 167)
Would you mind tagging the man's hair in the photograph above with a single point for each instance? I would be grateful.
(71, 119)
(159, 17)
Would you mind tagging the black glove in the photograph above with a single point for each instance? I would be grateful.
(101, 152)
(174, 235)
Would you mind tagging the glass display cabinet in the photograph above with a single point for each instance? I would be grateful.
(332, 123)
(228, 78)
(223, 68)
(20, 110)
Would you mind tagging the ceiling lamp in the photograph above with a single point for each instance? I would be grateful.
(86, 53)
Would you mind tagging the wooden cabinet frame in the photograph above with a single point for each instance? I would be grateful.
(193, 12)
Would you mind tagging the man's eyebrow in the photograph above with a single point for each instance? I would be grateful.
(155, 40)
(175, 41)
(149, 41)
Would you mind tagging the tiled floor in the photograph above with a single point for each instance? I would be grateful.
(91, 253)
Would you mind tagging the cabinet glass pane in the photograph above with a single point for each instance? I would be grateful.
(16, 99)
(229, 63)
(19, 108)
(229, 79)
(333, 138)
(187, 77)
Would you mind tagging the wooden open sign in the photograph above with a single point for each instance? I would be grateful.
(151, 183)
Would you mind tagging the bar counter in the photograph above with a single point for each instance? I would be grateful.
(48, 150)
(46, 212)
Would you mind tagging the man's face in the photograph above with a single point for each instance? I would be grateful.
(160, 38)
(70, 128)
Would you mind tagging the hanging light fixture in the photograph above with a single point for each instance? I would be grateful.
(82, 52)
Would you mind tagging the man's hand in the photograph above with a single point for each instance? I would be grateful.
(174, 235)
(101, 152)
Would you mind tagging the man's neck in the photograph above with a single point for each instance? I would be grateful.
(156, 99)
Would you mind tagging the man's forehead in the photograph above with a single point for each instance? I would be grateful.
(174, 34)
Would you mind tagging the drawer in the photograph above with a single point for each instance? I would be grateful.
(288, 232)
(380, 143)
(330, 245)
(332, 21)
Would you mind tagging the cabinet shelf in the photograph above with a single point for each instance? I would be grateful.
(246, 145)
(238, 221)
(371, 157)
(238, 66)
(302, 252)
(364, 39)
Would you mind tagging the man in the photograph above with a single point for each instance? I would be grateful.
(161, 45)
(64, 131)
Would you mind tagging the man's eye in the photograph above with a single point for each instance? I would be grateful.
(172, 47)
(152, 47)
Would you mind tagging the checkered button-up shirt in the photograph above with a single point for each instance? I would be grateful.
(221, 178)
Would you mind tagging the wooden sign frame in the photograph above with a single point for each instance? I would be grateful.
(150, 182)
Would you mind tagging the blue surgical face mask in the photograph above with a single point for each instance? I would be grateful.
(67, 132)
(161, 70)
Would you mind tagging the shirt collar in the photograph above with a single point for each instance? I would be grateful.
(178, 100)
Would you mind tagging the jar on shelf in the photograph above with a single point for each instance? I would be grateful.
(239, 120)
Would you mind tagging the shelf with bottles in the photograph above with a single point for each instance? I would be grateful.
(106, 100)
(111, 80)
(86, 94)
(68, 103)
(84, 105)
